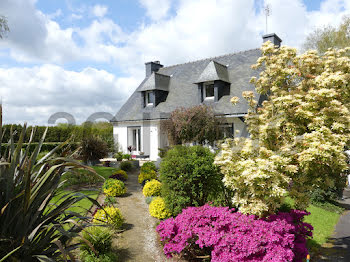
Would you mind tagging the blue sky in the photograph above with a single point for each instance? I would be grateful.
(85, 56)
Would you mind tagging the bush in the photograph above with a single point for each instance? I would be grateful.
(80, 177)
(189, 177)
(152, 188)
(232, 236)
(120, 175)
(148, 166)
(126, 166)
(110, 215)
(93, 148)
(87, 256)
(158, 209)
(119, 156)
(114, 187)
(127, 156)
(149, 175)
(99, 237)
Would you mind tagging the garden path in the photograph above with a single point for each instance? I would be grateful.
(338, 248)
(139, 241)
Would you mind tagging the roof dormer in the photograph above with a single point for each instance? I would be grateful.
(213, 82)
(155, 89)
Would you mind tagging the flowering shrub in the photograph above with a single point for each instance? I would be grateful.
(234, 236)
(114, 187)
(152, 188)
(120, 175)
(158, 209)
(110, 215)
(298, 135)
(149, 175)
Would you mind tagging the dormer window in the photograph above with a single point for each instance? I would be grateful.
(213, 83)
(149, 98)
(209, 90)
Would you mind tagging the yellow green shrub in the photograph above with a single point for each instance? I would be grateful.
(158, 209)
(114, 187)
(109, 215)
(152, 188)
(149, 175)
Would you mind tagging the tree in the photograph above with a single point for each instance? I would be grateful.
(299, 134)
(3, 26)
(329, 37)
(194, 124)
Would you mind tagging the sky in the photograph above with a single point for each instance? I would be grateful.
(87, 56)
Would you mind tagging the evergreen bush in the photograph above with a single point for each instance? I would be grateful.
(114, 187)
(152, 188)
(189, 177)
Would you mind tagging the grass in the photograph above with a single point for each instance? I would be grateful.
(80, 207)
(83, 177)
(323, 218)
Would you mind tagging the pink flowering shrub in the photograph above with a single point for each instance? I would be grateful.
(232, 236)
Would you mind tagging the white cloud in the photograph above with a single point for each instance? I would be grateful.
(156, 9)
(99, 10)
(194, 30)
(34, 94)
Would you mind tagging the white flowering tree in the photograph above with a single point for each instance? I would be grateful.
(297, 136)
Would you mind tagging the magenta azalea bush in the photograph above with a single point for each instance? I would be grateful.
(233, 236)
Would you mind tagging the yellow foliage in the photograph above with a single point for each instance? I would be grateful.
(158, 209)
(152, 188)
(110, 215)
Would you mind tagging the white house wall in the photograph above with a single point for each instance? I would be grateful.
(151, 139)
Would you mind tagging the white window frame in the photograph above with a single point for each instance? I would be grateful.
(137, 132)
(148, 103)
(205, 85)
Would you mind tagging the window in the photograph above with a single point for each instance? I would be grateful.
(135, 138)
(227, 130)
(149, 98)
(209, 90)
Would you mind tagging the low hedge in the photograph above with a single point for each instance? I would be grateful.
(44, 147)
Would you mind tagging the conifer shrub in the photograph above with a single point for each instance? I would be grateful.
(152, 188)
(189, 177)
(149, 175)
(114, 187)
(120, 175)
(158, 209)
(109, 215)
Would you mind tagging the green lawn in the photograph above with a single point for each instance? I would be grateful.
(104, 171)
(80, 207)
(323, 219)
(323, 222)
(86, 178)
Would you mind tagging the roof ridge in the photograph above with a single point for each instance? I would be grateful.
(214, 57)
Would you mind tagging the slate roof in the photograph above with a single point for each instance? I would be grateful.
(183, 92)
(156, 81)
(214, 71)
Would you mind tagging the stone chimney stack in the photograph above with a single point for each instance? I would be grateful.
(152, 67)
(273, 38)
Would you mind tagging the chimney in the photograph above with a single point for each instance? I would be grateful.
(273, 38)
(152, 67)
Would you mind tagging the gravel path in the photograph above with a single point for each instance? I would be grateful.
(139, 241)
(338, 249)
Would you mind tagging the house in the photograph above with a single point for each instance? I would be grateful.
(212, 81)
